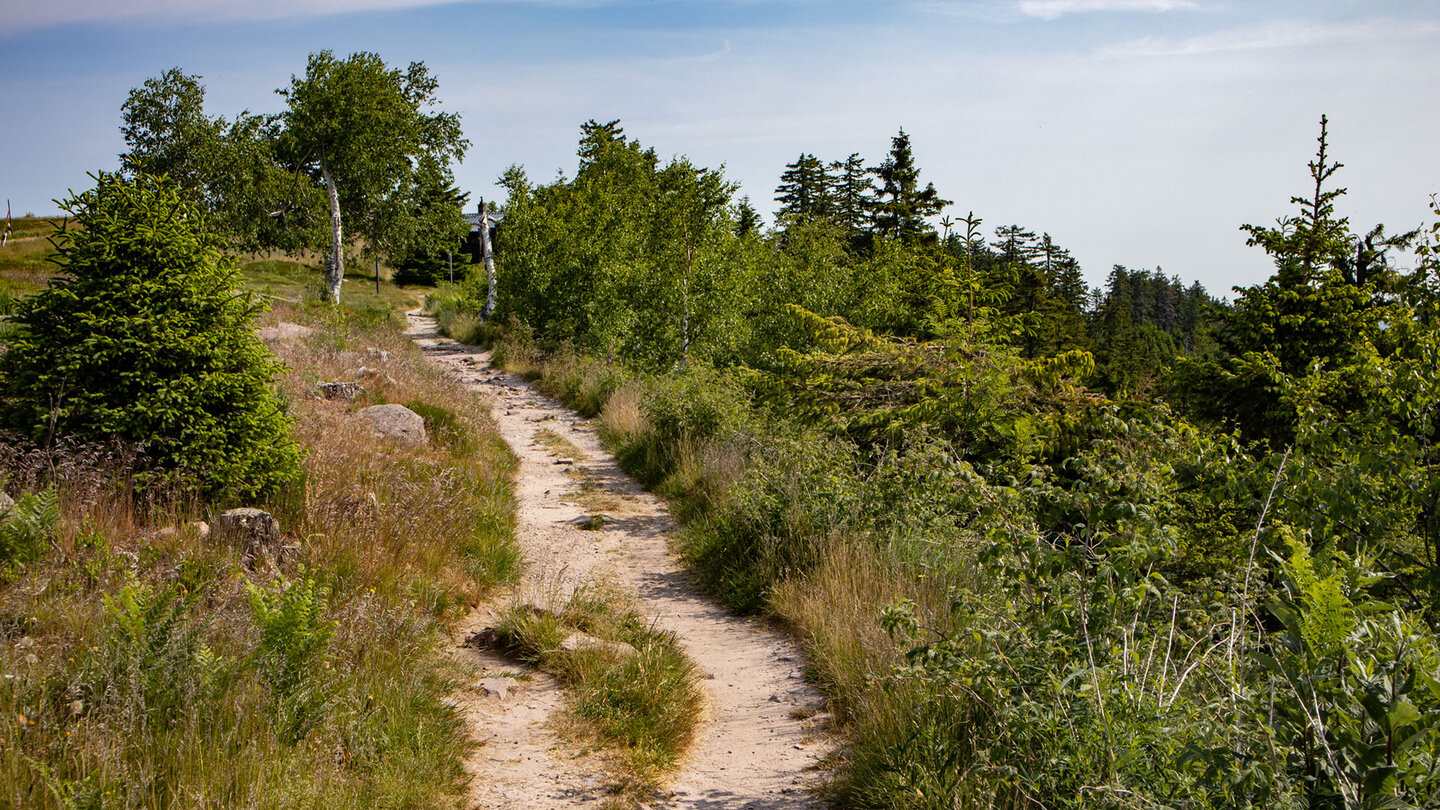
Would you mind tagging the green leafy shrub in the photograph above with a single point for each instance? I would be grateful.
(293, 651)
(143, 336)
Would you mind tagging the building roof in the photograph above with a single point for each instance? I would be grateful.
(474, 219)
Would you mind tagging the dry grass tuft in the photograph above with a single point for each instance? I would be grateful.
(622, 420)
(634, 695)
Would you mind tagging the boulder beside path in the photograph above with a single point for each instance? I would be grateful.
(397, 423)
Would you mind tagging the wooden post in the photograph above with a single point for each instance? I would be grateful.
(450, 260)
(489, 257)
(377, 275)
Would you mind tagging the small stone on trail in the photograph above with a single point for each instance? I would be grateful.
(496, 687)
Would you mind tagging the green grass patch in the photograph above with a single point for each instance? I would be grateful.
(634, 692)
(304, 281)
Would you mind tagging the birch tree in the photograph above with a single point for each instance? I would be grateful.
(363, 130)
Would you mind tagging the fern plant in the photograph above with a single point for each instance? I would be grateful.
(27, 525)
(293, 652)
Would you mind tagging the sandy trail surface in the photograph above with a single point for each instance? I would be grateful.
(764, 739)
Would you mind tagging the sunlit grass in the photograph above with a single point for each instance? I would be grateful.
(399, 541)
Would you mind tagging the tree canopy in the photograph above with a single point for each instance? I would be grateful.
(367, 133)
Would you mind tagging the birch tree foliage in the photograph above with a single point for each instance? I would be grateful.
(632, 257)
(364, 131)
(227, 167)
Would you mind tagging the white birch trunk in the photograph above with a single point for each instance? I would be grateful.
(489, 255)
(335, 268)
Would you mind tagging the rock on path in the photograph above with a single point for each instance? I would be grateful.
(755, 751)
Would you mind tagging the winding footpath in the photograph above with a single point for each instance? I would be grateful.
(764, 740)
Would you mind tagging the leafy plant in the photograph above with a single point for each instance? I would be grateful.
(151, 667)
(27, 526)
(293, 652)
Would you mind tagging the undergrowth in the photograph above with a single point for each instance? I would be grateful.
(149, 664)
(1025, 618)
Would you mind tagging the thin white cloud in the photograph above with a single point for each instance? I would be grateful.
(1053, 9)
(34, 15)
(982, 10)
(1274, 35)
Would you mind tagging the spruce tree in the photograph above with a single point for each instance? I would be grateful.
(143, 336)
(803, 193)
(900, 205)
(851, 189)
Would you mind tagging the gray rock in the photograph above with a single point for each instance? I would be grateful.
(5, 502)
(397, 423)
(256, 533)
(247, 524)
(583, 642)
(374, 375)
(340, 390)
(496, 687)
(380, 354)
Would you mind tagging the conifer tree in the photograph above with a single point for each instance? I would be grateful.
(145, 336)
(900, 206)
(804, 192)
(851, 190)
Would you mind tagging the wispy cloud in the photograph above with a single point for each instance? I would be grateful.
(1053, 9)
(997, 11)
(1274, 35)
(34, 15)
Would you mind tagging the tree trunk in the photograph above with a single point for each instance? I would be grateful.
(335, 268)
(489, 257)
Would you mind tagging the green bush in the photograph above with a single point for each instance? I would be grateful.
(144, 336)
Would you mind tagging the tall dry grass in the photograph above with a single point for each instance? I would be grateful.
(130, 649)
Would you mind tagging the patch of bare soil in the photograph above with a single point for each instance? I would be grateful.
(761, 745)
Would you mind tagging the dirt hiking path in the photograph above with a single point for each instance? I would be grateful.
(760, 746)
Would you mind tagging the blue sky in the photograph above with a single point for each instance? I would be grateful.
(1137, 132)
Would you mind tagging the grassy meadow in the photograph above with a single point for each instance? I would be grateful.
(145, 665)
